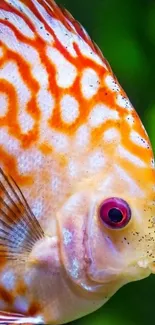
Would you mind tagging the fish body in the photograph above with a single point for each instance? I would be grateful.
(72, 148)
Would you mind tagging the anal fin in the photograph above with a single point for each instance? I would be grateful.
(12, 318)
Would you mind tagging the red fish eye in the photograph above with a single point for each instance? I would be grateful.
(115, 213)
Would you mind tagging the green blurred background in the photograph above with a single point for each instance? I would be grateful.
(125, 31)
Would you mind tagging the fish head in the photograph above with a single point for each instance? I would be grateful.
(121, 232)
(107, 226)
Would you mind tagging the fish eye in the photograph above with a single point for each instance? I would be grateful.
(115, 213)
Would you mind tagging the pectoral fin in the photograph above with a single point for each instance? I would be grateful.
(19, 229)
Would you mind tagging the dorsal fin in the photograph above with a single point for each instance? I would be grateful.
(80, 30)
(77, 27)
(63, 15)
(45, 11)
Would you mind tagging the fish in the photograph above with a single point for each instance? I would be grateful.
(77, 173)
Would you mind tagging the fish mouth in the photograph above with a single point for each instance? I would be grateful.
(147, 264)
(134, 270)
(152, 267)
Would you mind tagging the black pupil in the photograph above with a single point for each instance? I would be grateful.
(115, 215)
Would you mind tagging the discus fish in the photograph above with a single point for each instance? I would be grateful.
(77, 176)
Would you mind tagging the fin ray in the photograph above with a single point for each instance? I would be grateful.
(7, 318)
(19, 228)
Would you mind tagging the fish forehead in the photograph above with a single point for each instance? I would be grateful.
(63, 113)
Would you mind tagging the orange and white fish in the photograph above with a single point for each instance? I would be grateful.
(77, 177)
